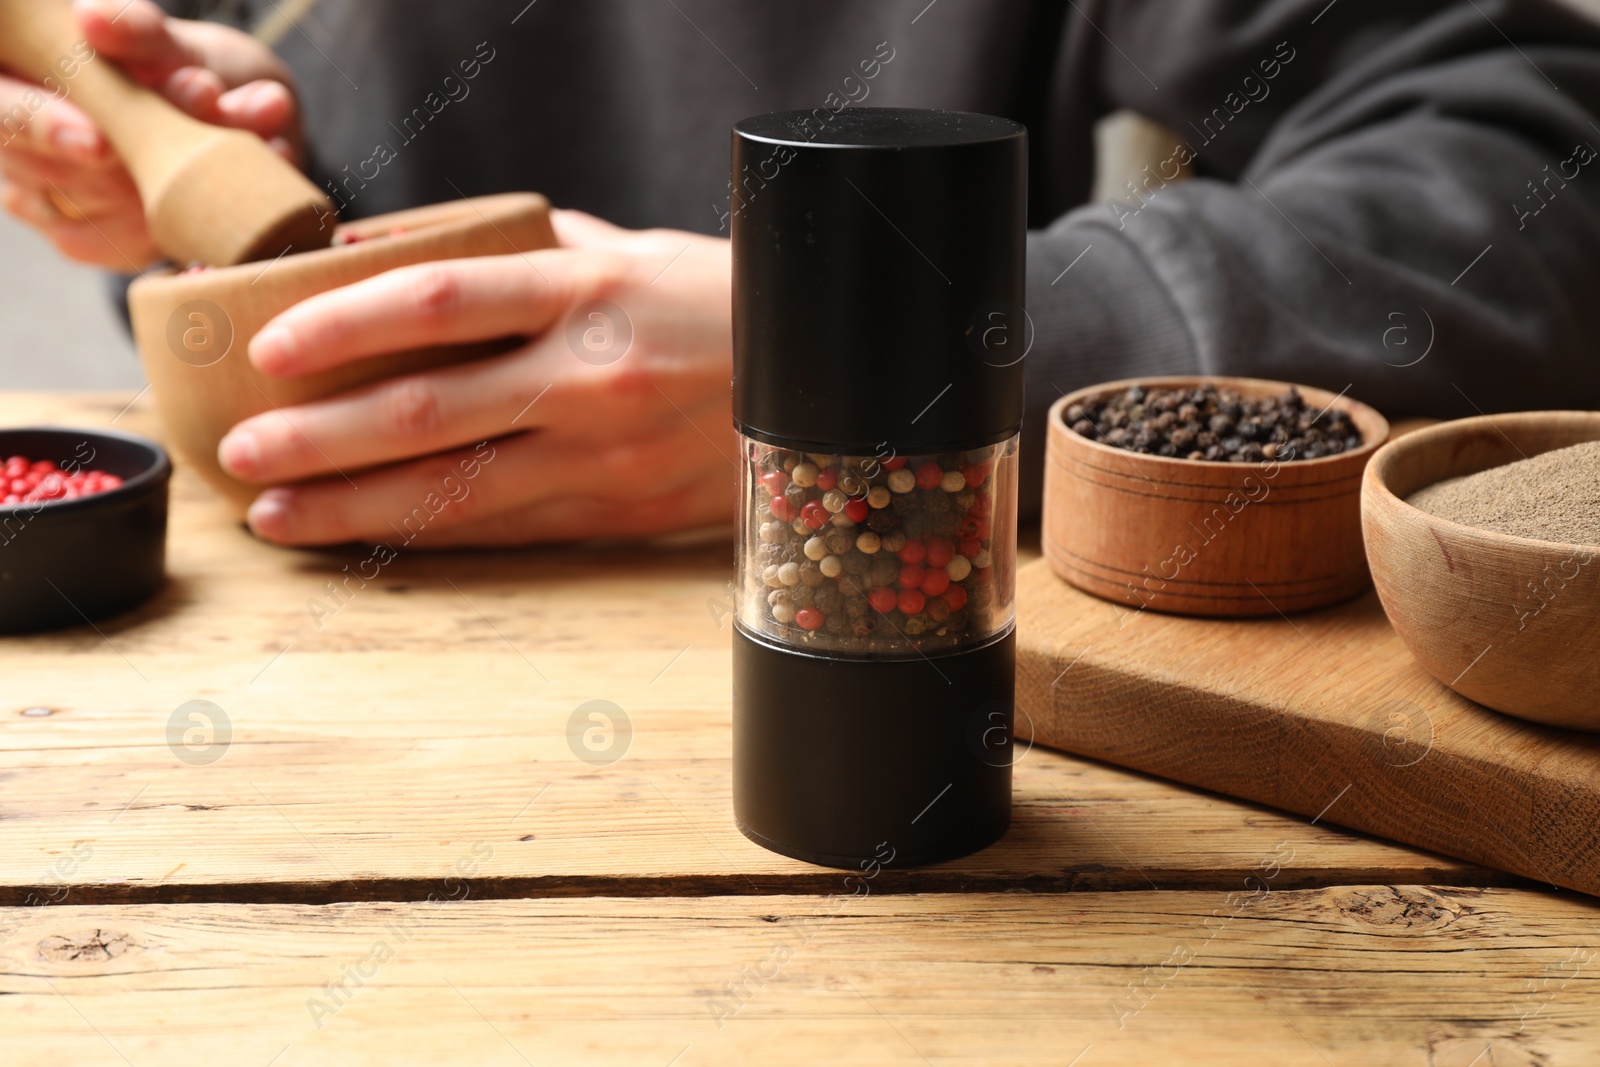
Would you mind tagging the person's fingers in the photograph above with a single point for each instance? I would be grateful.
(115, 242)
(414, 307)
(284, 148)
(29, 205)
(77, 190)
(31, 120)
(399, 418)
(195, 91)
(135, 33)
(579, 229)
(265, 108)
(512, 490)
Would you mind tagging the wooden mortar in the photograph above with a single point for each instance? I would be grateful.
(1194, 537)
(193, 329)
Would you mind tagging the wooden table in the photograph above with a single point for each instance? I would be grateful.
(402, 856)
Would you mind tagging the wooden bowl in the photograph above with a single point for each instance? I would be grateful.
(193, 329)
(1510, 622)
(1193, 537)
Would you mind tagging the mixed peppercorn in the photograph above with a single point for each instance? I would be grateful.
(1220, 425)
(872, 555)
(25, 481)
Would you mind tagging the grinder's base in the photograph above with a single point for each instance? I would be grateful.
(844, 761)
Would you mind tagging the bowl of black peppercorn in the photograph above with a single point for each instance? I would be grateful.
(83, 525)
(1209, 496)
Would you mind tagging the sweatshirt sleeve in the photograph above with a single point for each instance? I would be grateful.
(1400, 200)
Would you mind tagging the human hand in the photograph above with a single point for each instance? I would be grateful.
(62, 177)
(617, 426)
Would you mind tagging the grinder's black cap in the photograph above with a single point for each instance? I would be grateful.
(878, 278)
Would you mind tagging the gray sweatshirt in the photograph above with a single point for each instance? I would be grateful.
(1400, 199)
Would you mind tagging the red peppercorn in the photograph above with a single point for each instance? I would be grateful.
(776, 482)
(856, 510)
(894, 463)
(941, 550)
(911, 576)
(815, 515)
(912, 601)
(956, 597)
(781, 509)
(808, 618)
(970, 547)
(935, 582)
(913, 551)
(25, 482)
(883, 599)
(827, 478)
(982, 575)
(975, 473)
(980, 506)
(929, 475)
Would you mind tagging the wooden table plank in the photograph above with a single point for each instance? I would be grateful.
(425, 715)
(333, 790)
(1353, 974)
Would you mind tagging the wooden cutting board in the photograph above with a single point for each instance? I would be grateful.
(1322, 713)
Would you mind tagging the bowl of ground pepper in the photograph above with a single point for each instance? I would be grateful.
(1484, 541)
(1209, 496)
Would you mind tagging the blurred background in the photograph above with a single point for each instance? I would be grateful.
(59, 330)
(57, 326)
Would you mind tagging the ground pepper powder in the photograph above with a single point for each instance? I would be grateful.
(1554, 496)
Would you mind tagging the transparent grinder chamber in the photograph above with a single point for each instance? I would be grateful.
(885, 556)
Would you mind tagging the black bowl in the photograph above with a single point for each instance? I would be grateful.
(68, 562)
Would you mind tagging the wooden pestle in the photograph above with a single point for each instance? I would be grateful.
(213, 195)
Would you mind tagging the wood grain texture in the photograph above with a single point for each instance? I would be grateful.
(1322, 713)
(1346, 975)
(1510, 622)
(427, 713)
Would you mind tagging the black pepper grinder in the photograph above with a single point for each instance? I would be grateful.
(878, 338)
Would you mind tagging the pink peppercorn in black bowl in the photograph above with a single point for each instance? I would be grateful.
(68, 561)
